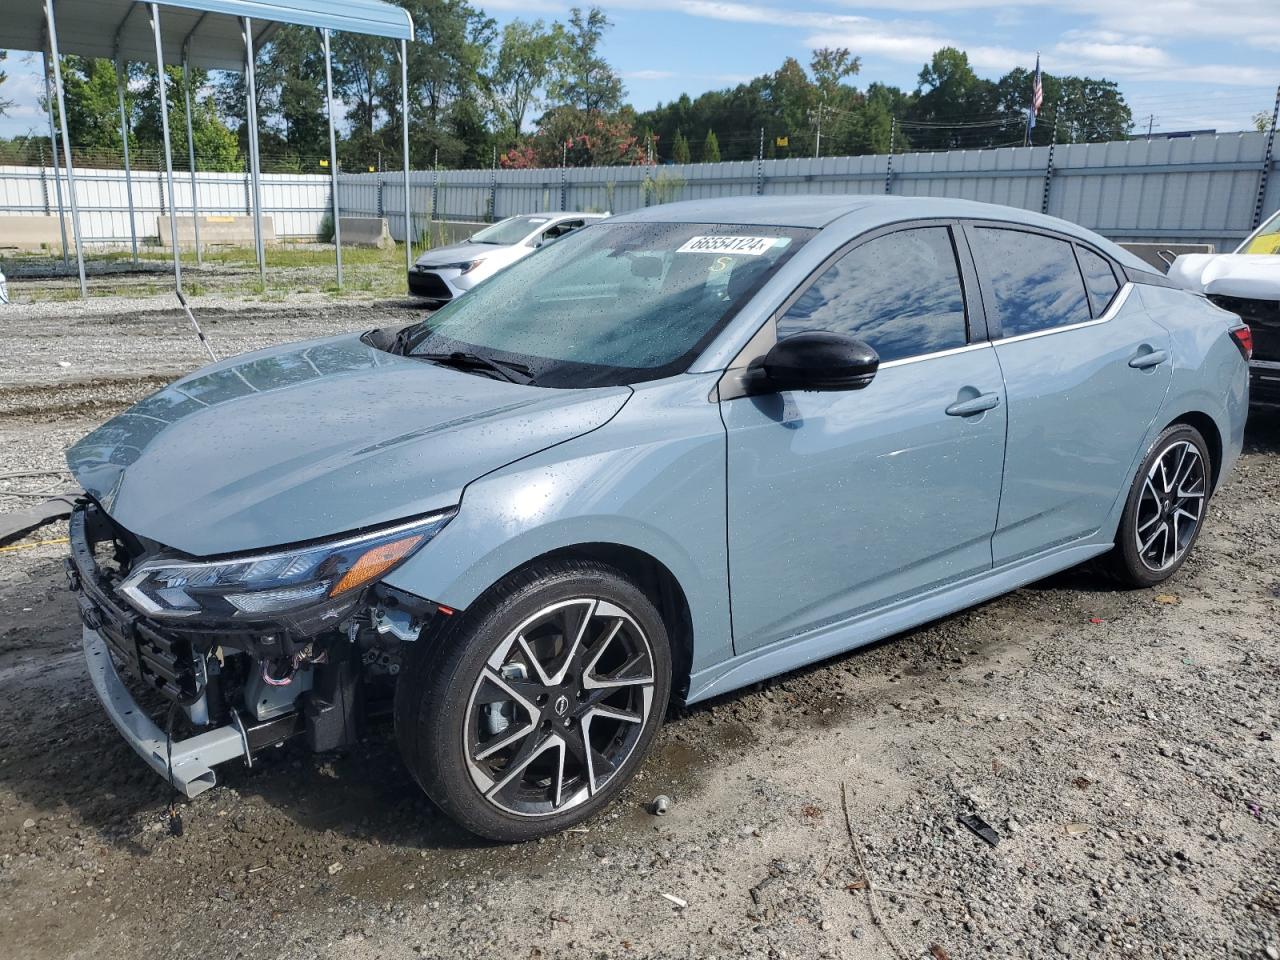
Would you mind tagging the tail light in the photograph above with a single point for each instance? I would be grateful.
(1243, 338)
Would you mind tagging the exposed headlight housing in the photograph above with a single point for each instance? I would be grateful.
(279, 583)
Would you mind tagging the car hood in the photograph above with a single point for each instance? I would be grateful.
(1248, 276)
(459, 252)
(315, 439)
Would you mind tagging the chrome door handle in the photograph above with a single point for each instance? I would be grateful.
(1144, 361)
(979, 404)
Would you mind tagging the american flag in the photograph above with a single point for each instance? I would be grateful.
(1037, 93)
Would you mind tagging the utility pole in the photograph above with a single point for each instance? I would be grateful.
(817, 145)
(1151, 122)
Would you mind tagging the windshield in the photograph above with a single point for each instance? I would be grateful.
(511, 230)
(1266, 239)
(616, 304)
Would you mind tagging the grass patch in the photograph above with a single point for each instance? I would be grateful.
(233, 272)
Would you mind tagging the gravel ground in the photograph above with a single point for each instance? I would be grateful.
(1121, 743)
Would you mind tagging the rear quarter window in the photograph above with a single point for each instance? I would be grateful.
(1099, 280)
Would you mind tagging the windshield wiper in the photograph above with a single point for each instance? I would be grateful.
(400, 344)
(473, 361)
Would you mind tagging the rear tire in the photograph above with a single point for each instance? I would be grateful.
(529, 712)
(1164, 511)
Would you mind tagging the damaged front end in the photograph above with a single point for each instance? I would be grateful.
(246, 650)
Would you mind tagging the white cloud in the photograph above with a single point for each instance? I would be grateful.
(648, 75)
(733, 11)
(525, 6)
(1235, 20)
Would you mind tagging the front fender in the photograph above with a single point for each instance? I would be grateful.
(652, 479)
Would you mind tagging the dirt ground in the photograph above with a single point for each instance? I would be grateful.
(1122, 744)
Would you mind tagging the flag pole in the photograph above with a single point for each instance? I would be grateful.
(1036, 88)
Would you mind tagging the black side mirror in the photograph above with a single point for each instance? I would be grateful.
(818, 360)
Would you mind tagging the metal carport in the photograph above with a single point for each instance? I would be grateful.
(210, 34)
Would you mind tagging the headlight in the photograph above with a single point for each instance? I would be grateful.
(464, 266)
(268, 585)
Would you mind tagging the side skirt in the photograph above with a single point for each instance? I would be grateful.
(795, 652)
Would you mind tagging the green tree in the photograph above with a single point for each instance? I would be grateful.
(873, 130)
(1080, 109)
(448, 69)
(831, 66)
(582, 140)
(793, 97)
(711, 148)
(680, 148)
(4, 104)
(297, 74)
(360, 67)
(954, 107)
(581, 78)
(839, 104)
(520, 70)
(215, 143)
(93, 116)
(1261, 119)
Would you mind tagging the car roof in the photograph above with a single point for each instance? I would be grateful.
(859, 213)
(557, 215)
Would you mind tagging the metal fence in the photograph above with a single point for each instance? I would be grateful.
(1209, 189)
(297, 203)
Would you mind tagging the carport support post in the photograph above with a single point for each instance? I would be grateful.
(128, 170)
(163, 88)
(404, 123)
(333, 152)
(251, 117)
(191, 152)
(66, 142)
(57, 164)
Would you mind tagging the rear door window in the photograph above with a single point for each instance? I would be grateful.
(1031, 281)
(1099, 280)
(900, 293)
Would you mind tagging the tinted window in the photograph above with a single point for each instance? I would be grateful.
(619, 303)
(1099, 278)
(900, 293)
(1032, 280)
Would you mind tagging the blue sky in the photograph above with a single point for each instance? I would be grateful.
(1190, 63)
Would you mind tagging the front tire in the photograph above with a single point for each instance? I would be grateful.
(1164, 511)
(529, 712)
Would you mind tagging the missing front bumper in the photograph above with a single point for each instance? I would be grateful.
(194, 758)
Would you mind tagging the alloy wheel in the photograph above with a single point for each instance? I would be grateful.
(559, 707)
(1171, 506)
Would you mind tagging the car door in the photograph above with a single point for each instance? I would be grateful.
(1086, 370)
(842, 502)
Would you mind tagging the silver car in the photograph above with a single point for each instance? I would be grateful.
(445, 273)
(675, 454)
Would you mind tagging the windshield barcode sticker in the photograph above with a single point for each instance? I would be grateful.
(743, 246)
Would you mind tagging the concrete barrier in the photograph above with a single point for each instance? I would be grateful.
(32, 233)
(216, 231)
(366, 232)
(1150, 252)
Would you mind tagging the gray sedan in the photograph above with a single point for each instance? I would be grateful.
(677, 453)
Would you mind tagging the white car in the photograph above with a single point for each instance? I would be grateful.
(1246, 282)
(445, 273)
